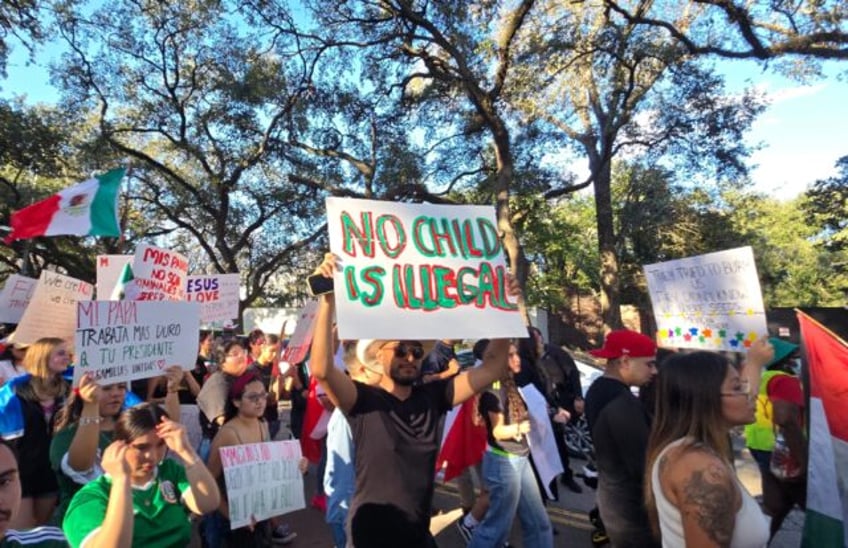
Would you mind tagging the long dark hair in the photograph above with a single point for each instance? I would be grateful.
(71, 411)
(236, 392)
(137, 421)
(688, 405)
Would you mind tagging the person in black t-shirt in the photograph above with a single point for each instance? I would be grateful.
(396, 426)
(441, 362)
(620, 427)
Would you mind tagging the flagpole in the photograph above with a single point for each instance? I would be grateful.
(126, 209)
(823, 327)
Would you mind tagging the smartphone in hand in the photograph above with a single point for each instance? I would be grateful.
(319, 285)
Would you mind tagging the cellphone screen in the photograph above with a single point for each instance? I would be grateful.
(319, 285)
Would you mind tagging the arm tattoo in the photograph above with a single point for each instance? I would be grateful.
(711, 500)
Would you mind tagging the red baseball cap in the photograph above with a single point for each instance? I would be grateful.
(625, 342)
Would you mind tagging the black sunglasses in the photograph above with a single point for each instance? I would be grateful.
(404, 349)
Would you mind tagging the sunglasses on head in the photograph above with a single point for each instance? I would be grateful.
(404, 349)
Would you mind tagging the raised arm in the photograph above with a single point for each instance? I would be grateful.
(83, 449)
(204, 495)
(338, 386)
(117, 528)
(493, 368)
(760, 353)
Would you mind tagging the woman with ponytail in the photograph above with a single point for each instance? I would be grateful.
(507, 472)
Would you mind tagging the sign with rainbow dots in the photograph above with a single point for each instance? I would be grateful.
(709, 302)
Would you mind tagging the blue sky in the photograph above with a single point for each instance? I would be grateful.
(803, 132)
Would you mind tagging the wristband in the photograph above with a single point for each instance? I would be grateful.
(90, 420)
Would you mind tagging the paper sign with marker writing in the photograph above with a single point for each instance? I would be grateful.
(298, 346)
(263, 480)
(119, 341)
(52, 311)
(419, 271)
(159, 274)
(109, 268)
(15, 297)
(217, 294)
(711, 301)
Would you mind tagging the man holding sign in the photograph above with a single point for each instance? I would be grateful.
(395, 425)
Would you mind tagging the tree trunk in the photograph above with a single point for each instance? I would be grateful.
(610, 295)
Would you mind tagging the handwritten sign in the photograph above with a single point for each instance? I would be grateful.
(52, 311)
(218, 295)
(16, 294)
(419, 271)
(263, 480)
(159, 274)
(298, 346)
(119, 341)
(109, 268)
(710, 301)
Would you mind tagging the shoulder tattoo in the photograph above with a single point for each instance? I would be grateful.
(708, 498)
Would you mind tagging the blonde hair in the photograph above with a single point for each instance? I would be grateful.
(44, 383)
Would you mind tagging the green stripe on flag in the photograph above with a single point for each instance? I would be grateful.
(821, 531)
(104, 206)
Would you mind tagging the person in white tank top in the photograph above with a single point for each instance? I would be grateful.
(691, 490)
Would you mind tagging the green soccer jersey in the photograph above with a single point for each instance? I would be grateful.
(70, 484)
(161, 519)
(40, 537)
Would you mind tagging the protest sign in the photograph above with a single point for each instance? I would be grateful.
(109, 268)
(298, 346)
(419, 271)
(119, 341)
(263, 480)
(16, 294)
(159, 274)
(52, 311)
(218, 295)
(710, 301)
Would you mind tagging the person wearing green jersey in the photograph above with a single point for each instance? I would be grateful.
(10, 503)
(142, 499)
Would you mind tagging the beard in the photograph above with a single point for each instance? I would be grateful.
(404, 380)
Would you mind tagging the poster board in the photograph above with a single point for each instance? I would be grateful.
(263, 480)
(109, 268)
(419, 271)
(52, 311)
(217, 294)
(119, 341)
(298, 346)
(709, 302)
(159, 274)
(15, 297)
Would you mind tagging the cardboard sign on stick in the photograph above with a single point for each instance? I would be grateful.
(218, 295)
(15, 297)
(159, 274)
(711, 301)
(52, 311)
(263, 480)
(109, 268)
(419, 271)
(119, 341)
(298, 346)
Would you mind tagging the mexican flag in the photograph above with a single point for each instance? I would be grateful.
(827, 490)
(125, 288)
(89, 208)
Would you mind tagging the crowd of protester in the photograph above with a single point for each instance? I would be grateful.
(86, 465)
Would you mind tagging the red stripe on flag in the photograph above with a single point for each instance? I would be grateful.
(827, 358)
(33, 220)
(464, 443)
(311, 448)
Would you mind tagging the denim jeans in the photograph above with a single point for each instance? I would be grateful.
(512, 488)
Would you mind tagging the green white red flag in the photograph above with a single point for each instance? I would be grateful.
(89, 208)
(827, 490)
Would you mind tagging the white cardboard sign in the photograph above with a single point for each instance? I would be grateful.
(711, 301)
(263, 480)
(159, 274)
(298, 346)
(419, 271)
(218, 295)
(16, 294)
(119, 341)
(109, 268)
(52, 311)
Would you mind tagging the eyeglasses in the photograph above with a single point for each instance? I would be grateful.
(255, 397)
(404, 349)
